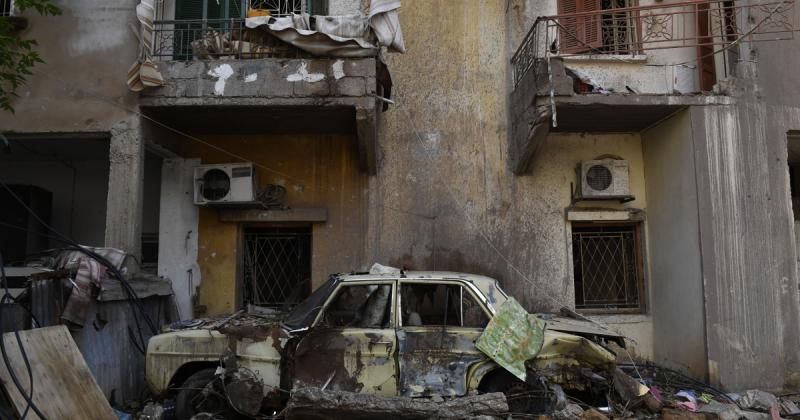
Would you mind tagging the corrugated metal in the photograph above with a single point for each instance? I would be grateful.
(104, 341)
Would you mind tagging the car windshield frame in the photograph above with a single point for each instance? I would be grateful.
(304, 314)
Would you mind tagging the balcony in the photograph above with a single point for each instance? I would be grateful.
(553, 91)
(220, 70)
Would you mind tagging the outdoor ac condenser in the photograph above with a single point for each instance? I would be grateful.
(604, 179)
(224, 184)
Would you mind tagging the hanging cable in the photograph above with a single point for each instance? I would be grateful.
(30, 405)
(133, 298)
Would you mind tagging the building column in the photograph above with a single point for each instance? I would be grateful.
(125, 187)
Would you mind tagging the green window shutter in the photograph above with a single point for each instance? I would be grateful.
(189, 9)
(317, 7)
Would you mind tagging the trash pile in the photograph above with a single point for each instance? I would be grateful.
(649, 391)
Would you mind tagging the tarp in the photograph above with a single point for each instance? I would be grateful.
(295, 30)
(144, 73)
(339, 36)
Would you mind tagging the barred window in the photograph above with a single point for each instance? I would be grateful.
(607, 264)
(276, 266)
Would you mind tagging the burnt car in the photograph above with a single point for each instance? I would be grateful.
(414, 334)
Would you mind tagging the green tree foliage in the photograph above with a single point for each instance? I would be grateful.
(17, 54)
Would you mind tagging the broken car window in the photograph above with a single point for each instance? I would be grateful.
(304, 313)
(360, 307)
(440, 304)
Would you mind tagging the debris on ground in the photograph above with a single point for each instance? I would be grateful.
(315, 403)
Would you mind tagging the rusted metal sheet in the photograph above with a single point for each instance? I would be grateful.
(563, 356)
(436, 360)
(512, 337)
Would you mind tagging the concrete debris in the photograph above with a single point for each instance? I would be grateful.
(592, 414)
(571, 411)
(314, 403)
(758, 400)
(720, 411)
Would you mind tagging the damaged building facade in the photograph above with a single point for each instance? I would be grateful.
(637, 166)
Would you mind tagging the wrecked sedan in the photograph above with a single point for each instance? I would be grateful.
(414, 334)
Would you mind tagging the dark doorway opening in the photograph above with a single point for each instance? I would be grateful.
(276, 266)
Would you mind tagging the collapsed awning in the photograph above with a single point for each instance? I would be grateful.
(353, 35)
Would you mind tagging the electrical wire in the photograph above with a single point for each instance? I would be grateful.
(30, 405)
(133, 299)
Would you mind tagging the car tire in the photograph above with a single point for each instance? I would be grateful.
(521, 397)
(186, 401)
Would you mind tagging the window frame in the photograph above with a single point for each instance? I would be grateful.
(10, 12)
(640, 252)
(471, 289)
(393, 303)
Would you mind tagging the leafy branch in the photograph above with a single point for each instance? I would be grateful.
(17, 54)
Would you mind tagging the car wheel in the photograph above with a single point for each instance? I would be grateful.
(521, 397)
(192, 400)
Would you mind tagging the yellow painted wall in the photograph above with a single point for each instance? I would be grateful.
(317, 171)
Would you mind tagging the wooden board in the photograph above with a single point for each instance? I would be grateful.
(63, 386)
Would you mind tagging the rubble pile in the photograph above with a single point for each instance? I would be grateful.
(652, 392)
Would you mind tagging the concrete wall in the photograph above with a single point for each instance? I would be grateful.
(676, 280)
(317, 171)
(749, 265)
(81, 86)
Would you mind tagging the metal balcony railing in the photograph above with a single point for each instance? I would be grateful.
(215, 38)
(713, 24)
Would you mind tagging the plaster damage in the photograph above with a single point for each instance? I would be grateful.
(302, 74)
(221, 73)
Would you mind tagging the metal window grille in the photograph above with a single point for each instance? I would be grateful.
(606, 262)
(277, 266)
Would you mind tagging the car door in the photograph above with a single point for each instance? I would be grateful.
(352, 344)
(439, 324)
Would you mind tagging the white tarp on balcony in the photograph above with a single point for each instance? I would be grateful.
(339, 36)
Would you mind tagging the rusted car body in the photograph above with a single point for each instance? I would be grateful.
(407, 334)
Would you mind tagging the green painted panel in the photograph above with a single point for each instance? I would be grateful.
(512, 338)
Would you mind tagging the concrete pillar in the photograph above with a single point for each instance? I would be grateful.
(125, 187)
(177, 232)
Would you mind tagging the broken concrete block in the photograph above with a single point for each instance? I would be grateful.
(314, 403)
(676, 414)
(592, 414)
(758, 400)
(571, 411)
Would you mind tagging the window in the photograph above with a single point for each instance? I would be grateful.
(276, 265)
(440, 304)
(600, 32)
(6, 6)
(607, 263)
(360, 307)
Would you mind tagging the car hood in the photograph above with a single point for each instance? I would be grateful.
(580, 327)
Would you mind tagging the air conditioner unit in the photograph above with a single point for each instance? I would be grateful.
(605, 179)
(224, 184)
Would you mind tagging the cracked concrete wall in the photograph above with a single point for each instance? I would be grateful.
(81, 86)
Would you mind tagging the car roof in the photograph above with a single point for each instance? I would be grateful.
(418, 275)
(486, 285)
